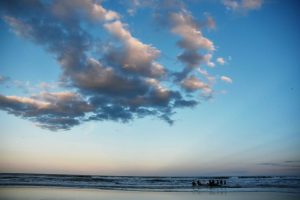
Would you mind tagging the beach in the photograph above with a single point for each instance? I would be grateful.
(59, 193)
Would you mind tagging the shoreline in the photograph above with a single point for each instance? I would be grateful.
(188, 190)
(66, 193)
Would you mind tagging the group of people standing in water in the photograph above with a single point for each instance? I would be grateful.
(210, 183)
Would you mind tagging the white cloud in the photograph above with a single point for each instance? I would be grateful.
(226, 79)
(207, 59)
(98, 12)
(29, 101)
(221, 61)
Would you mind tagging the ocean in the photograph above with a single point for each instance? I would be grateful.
(289, 184)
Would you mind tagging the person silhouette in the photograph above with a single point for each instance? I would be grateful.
(199, 183)
(194, 184)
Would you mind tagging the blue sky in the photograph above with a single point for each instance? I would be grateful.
(150, 88)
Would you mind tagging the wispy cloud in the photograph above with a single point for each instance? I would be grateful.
(221, 61)
(226, 79)
(285, 164)
(242, 5)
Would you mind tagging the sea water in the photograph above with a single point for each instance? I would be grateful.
(159, 184)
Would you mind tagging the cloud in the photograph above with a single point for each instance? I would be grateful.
(192, 83)
(221, 61)
(134, 5)
(226, 79)
(123, 83)
(285, 164)
(210, 22)
(44, 86)
(49, 110)
(192, 38)
(207, 59)
(292, 161)
(28, 87)
(134, 56)
(242, 5)
(70, 9)
(197, 50)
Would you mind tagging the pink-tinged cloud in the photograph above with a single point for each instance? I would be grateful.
(193, 83)
(122, 83)
(136, 56)
(226, 79)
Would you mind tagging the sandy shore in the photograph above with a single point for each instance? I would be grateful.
(52, 193)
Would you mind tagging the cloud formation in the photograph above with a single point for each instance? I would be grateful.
(221, 61)
(122, 81)
(197, 50)
(49, 110)
(285, 164)
(192, 40)
(242, 5)
(192, 83)
(226, 79)
(134, 56)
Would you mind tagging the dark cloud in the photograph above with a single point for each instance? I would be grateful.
(285, 164)
(49, 110)
(186, 103)
(123, 84)
(190, 58)
(292, 161)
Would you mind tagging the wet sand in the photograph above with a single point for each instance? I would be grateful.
(53, 193)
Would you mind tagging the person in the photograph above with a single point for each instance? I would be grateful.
(199, 183)
(194, 183)
(209, 183)
(224, 182)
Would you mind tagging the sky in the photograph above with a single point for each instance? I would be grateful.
(154, 88)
